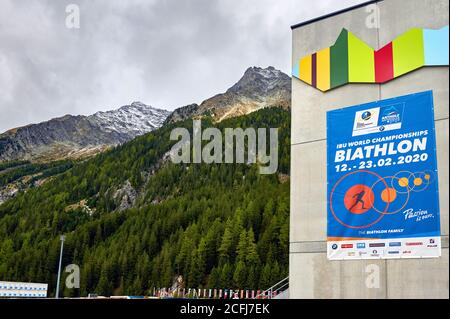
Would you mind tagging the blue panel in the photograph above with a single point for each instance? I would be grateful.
(296, 70)
(436, 46)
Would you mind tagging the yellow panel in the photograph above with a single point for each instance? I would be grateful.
(408, 52)
(323, 69)
(361, 61)
(306, 69)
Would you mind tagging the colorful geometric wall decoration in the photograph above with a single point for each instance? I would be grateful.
(350, 60)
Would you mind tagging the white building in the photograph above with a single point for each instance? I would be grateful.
(10, 289)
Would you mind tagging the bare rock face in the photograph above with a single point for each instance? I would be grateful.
(126, 196)
(258, 88)
(182, 113)
(7, 192)
(78, 136)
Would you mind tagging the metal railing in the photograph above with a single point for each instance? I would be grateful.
(275, 290)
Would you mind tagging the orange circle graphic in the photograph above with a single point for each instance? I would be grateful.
(358, 199)
(390, 194)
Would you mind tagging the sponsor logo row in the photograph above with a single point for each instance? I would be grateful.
(377, 253)
(380, 253)
(431, 243)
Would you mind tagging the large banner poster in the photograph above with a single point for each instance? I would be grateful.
(382, 180)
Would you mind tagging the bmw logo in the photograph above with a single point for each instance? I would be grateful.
(334, 246)
(382, 128)
(366, 115)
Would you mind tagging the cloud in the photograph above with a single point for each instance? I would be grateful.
(166, 53)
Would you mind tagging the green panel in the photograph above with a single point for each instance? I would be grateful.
(361, 61)
(408, 52)
(339, 60)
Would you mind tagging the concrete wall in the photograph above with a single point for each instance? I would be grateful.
(311, 274)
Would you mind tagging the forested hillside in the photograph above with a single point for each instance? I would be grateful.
(218, 225)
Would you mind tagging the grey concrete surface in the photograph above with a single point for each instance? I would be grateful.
(319, 278)
(427, 78)
(308, 199)
(442, 161)
(418, 278)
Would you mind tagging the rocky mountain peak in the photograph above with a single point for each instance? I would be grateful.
(135, 119)
(138, 104)
(256, 89)
(258, 80)
(269, 72)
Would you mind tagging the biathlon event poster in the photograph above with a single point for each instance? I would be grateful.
(382, 178)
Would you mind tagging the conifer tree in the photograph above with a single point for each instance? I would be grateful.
(226, 277)
(240, 276)
(266, 277)
(252, 254)
(227, 242)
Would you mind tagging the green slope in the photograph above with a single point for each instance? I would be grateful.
(218, 225)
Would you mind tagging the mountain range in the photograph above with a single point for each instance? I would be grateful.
(79, 136)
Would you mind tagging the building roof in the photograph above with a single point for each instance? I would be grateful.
(301, 24)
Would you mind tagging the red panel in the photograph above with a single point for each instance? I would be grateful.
(384, 64)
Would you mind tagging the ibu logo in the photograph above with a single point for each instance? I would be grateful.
(366, 116)
(360, 245)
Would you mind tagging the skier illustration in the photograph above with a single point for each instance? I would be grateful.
(358, 200)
